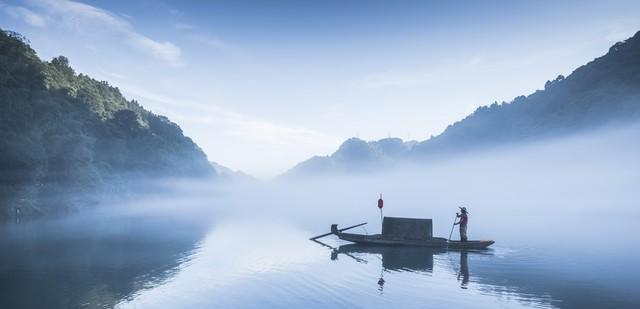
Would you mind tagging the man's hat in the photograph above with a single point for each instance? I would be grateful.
(464, 209)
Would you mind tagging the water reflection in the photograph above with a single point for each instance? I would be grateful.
(164, 264)
(381, 282)
(411, 259)
(393, 258)
(440, 267)
(89, 263)
(464, 269)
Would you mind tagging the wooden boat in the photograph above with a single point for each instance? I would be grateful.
(434, 242)
(410, 232)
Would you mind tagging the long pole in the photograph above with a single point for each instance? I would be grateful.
(452, 226)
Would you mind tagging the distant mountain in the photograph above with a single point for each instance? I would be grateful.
(65, 136)
(226, 173)
(356, 155)
(604, 91)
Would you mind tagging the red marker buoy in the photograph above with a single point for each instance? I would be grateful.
(380, 205)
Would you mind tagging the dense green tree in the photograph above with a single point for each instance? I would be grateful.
(65, 137)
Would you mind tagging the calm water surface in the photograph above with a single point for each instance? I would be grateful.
(137, 261)
(564, 217)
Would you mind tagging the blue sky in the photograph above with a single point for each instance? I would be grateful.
(262, 85)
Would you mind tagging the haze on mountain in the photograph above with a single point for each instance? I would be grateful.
(604, 92)
(66, 139)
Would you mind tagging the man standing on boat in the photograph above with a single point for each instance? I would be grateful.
(463, 223)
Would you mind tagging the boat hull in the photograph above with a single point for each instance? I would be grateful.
(435, 242)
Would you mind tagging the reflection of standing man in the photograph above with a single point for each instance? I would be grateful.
(463, 223)
(381, 282)
(464, 270)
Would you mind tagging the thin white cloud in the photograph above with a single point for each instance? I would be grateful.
(211, 42)
(254, 130)
(183, 26)
(165, 51)
(616, 31)
(77, 13)
(242, 126)
(26, 15)
(79, 16)
(281, 145)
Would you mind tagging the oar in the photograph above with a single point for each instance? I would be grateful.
(452, 226)
(340, 230)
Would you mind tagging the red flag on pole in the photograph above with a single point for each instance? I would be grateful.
(380, 205)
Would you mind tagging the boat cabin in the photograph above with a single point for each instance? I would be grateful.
(407, 228)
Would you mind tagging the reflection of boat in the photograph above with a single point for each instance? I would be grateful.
(415, 259)
(401, 258)
(408, 232)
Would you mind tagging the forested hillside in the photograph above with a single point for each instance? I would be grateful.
(64, 137)
(606, 91)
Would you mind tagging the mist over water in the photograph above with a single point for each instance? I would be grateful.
(562, 213)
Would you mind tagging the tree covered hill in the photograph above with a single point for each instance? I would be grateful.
(603, 92)
(65, 136)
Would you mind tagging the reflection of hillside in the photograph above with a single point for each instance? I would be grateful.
(88, 264)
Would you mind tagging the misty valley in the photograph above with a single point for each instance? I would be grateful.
(105, 203)
(204, 247)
